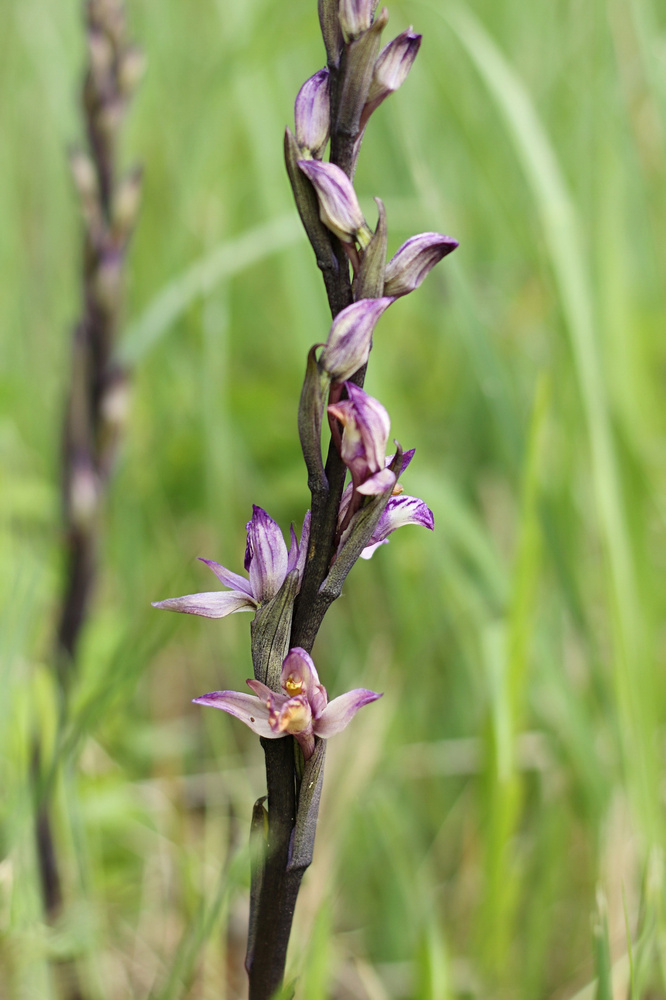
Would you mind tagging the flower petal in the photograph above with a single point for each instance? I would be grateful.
(339, 209)
(245, 707)
(339, 712)
(366, 428)
(414, 260)
(217, 604)
(269, 698)
(312, 114)
(229, 579)
(292, 557)
(299, 677)
(403, 510)
(265, 556)
(391, 70)
(350, 337)
(303, 545)
(355, 17)
(407, 456)
(370, 550)
(379, 483)
(399, 511)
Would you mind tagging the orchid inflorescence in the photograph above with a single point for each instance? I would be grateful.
(290, 589)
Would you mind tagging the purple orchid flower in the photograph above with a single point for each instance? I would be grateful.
(366, 426)
(267, 563)
(400, 510)
(350, 338)
(339, 209)
(301, 710)
(312, 114)
(414, 261)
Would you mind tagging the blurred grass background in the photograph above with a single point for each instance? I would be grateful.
(494, 827)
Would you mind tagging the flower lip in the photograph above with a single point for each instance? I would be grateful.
(400, 510)
(304, 715)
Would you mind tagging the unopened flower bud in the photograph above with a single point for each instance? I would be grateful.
(414, 260)
(131, 68)
(350, 338)
(84, 174)
(338, 205)
(100, 53)
(391, 69)
(83, 493)
(109, 118)
(108, 282)
(126, 201)
(312, 114)
(355, 17)
(115, 400)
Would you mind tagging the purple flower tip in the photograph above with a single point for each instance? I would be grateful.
(414, 260)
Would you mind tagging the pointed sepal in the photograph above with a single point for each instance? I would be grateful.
(369, 282)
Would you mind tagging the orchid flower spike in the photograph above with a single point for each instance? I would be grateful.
(267, 563)
(301, 709)
(400, 510)
(366, 426)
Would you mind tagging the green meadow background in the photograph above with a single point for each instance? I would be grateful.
(493, 828)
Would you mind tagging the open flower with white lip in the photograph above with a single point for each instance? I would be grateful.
(301, 710)
(267, 563)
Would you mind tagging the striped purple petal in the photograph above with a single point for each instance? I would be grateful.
(266, 557)
(229, 579)
(246, 707)
(391, 70)
(312, 114)
(339, 209)
(217, 604)
(400, 510)
(366, 428)
(339, 712)
(414, 261)
(350, 337)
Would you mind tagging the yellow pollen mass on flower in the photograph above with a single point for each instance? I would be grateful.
(293, 685)
(397, 490)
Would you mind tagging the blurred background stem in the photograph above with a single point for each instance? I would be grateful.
(97, 398)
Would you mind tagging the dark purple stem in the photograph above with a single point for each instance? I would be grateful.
(280, 885)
